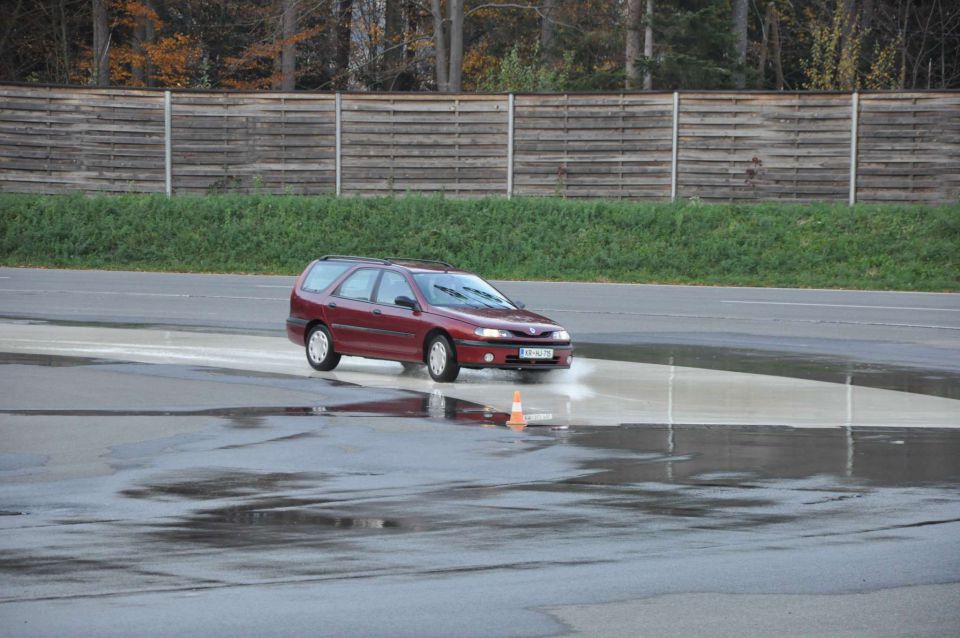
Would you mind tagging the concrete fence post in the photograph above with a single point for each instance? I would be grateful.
(854, 138)
(676, 141)
(510, 115)
(168, 142)
(339, 128)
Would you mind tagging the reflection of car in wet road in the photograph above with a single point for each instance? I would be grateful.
(416, 312)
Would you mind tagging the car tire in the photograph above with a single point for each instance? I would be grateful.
(319, 348)
(442, 360)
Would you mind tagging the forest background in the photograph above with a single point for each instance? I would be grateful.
(472, 45)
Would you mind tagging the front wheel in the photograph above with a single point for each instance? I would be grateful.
(442, 360)
(320, 353)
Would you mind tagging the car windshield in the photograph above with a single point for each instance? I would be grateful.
(459, 289)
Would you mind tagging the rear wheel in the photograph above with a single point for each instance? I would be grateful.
(320, 353)
(442, 360)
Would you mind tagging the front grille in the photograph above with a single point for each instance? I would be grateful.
(527, 335)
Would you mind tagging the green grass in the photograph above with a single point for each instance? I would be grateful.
(812, 245)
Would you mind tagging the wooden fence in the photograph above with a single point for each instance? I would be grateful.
(871, 147)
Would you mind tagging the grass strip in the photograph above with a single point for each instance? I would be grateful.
(884, 247)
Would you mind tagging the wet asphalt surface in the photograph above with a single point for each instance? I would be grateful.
(202, 501)
(150, 499)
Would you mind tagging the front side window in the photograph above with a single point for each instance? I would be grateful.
(459, 289)
(322, 275)
(393, 285)
(359, 285)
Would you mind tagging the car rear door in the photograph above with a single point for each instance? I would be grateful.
(350, 310)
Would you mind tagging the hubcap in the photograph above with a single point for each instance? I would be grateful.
(438, 357)
(318, 346)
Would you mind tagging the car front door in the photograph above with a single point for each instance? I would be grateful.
(399, 330)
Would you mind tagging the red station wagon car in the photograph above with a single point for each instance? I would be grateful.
(417, 312)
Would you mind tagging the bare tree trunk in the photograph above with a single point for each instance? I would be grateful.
(150, 36)
(137, 70)
(648, 46)
(923, 46)
(548, 29)
(392, 44)
(771, 41)
(866, 13)
(455, 10)
(903, 46)
(101, 44)
(740, 35)
(288, 49)
(764, 46)
(64, 39)
(440, 47)
(632, 48)
(777, 50)
(344, 32)
(849, 21)
(413, 26)
(13, 21)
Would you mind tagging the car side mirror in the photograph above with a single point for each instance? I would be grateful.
(406, 302)
(519, 304)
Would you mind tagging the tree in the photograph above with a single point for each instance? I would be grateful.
(448, 45)
(695, 45)
(440, 47)
(101, 43)
(548, 29)
(740, 36)
(455, 45)
(344, 30)
(288, 47)
(648, 47)
(771, 41)
(632, 48)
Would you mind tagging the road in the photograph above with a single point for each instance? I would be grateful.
(891, 328)
(170, 465)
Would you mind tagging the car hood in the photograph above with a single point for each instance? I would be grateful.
(506, 319)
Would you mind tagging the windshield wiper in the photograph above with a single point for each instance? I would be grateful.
(487, 295)
(450, 291)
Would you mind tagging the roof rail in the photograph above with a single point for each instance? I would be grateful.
(355, 258)
(420, 261)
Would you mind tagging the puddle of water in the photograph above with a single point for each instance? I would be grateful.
(940, 383)
(267, 510)
(48, 360)
(206, 485)
(412, 404)
(738, 456)
(212, 328)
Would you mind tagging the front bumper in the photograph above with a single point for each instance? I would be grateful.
(471, 353)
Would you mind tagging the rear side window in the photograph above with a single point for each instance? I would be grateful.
(323, 274)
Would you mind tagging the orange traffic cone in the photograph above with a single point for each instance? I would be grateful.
(516, 422)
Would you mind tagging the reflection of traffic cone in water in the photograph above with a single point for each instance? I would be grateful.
(516, 422)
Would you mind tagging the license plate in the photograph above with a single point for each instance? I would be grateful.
(536, 353)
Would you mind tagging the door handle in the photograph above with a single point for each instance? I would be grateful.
(376, 311)
(332, 305)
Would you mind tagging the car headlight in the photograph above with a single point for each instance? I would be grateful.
(560, 335)
(492, 333)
